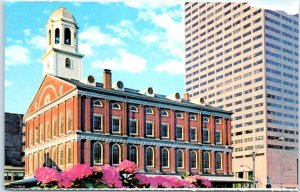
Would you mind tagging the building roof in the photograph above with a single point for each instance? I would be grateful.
(134, 94)
(62, 13)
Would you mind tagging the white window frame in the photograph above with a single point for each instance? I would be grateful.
(168, 130)
(164, 115)
(133, 108)
(221, 161)
(193, 118)
(101, 151)
(152, 123)
(195, 133)
(42, 134)
(220, 137)
(168, 166)
(218, 121)
(196, 159)
(101, 126)
(206, 129)
(136, 126)
(112, 154)
(69, 115)
(47, 129)
(36, 135)
(180, 150)
(112, 120)
(147, 112)
(205, 119)
(97, 105)
(182, 134)
(67, 154)
(153, 152)
(116, 106)
(54, 120)
(207, 169)
(179, 116)
(137, 154)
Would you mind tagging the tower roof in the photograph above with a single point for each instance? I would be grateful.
(62, 13)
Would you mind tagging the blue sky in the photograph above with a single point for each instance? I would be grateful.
(141, 41)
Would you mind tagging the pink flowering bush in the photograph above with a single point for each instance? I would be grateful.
(125, 175)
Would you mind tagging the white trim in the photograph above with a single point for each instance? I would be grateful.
(136, 126)
(220, 137)
(133, 108)
(101, 153)
(195, 133)
(180, 150)
(205, 119)
(182, 134)
(42, 94)
(54, 119)
(69, 115)
(164, 115)
(151, 113)
(42, 135)
(218, 121)
(179, 116)
(208, 160)
(193, 118)
(112, 154)
(137, 153)
(168, 166)
(67, 155)
(101, 126)
(168, 130)
(61, 124)
(153, 152)
(193, 151)
(208, 137)
(47, 131)
(150, 122)
(113, 106)
(221, 160)
(115, 118)
(96, 105)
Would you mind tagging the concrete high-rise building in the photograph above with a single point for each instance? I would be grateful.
(245, 59)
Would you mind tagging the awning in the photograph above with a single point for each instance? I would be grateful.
(227, 179)
(24, 181)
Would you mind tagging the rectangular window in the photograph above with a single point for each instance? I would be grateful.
(97, 122)
(149, 129)
(179, 132)
(193, 134)
(164, 130)
(116, 124)
(218, 137)
(133, 126)
(205, 135)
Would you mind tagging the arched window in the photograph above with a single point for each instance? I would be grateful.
(205, 120)
(54, 123)
(41, 132)
(36, 135)
(180, 158)
(149, 111)
(164, 113)
(193, 160)
(150, 157)
(61, 124)
(57, 36)
(41, 159)
(116, 106)
(133, 154)
(49, 37)
(68, 63)
(61, 155)
(179, 116)
(218, 161)
(98, 154)
(218, 121)
(206, 160)
(47, 99)
(133, 109)
(165, 158)
(53, 157)
(47, 130)
(97, 103)
(67, 36)
(69, 154)
(75, 38)
(193, 118)
(116, 154)
(31, 137)
(69, 121)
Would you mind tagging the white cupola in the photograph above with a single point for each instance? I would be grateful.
(62, 58)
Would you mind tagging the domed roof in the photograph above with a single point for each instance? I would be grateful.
(62, 13)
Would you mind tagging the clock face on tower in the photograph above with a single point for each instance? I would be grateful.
(62, 58)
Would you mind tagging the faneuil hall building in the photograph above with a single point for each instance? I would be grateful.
(72, 120)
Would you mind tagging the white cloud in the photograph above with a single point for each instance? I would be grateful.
(77, 4)
(289, 6)
(8, 83)
(124, 29)
(16, 55)
(85, 48)
(150, 38)
(154, 4)
(172, 67)
(27, 32)
(125, 61)
(37, 42)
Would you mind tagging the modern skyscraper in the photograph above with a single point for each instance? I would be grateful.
(245, 59)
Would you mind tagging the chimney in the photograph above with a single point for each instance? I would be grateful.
(186, 96)
(106, 79)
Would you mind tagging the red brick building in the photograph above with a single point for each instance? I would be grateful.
(71, 121)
